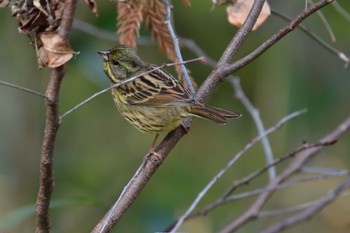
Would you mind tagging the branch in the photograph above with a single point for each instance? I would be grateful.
(43, 223)
(176, 45)
(311, 211)
(342, 56)
(22, 89)
(227, 197)
(223, 69)
(275, 38)
(287, 210)
(229, 164)
(255, 208)
(148, 167)
(258, 123)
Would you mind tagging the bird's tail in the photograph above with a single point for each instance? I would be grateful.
(217, 115)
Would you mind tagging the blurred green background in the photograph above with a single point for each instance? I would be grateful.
(97, 151)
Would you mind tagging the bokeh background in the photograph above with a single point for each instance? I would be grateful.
(97, 151)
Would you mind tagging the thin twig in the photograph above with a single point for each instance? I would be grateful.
(341, 11)
(30, 91)
(258, 122)
(124, 82)
(169, 24)
(311, 211)
(256, 206)
(323, 170)
(43, 222)
(229, 164)
(325, 23)
(287, 210)
(227, 197)
(342, 56)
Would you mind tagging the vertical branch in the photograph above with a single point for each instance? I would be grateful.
(258, 123)
(43, 223)
(52, 123)
(176, 45)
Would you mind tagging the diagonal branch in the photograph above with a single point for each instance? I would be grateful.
(223, 69)
(254, 112)
(255, 208)
(30, 91)
(229, 165)
(311, 211)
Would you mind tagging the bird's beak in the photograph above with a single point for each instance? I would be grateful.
(104, 54)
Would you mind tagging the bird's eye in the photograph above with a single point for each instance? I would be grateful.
(116, 63)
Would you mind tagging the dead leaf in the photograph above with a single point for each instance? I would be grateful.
(238, 12)
(58, 50)
(4, 3)
(93, 6)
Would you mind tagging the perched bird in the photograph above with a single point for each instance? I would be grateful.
(155, 102)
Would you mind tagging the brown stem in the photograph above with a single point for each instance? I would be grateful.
(43, 223)
(52, 123)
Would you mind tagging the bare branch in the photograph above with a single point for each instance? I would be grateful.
(224, 69)
(287, 210)
(255, 208)
(258, 122)
(317, 39)
(311, 211)
(30, 91)
(275, 38)
(229, 164)
(176, 45)
(242, 33)
(341, 11)
(227, 197)
(43, 223)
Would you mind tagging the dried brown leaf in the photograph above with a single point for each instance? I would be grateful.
(155, 17)
(238, 12)
(93, 6)
(57, 50)
(4, 3)
(186, 2)
(129, 22)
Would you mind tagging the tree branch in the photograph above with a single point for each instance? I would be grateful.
(30, 91)
(43, 223)
(223, 69)
(311, 211)
(229, 164)
(227, 197)
(176, 45)
(255, 208)
(254, 112)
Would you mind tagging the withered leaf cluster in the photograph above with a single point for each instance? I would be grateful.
(132, 13)
(40, 20)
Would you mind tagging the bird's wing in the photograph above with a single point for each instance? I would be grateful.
(158, 88)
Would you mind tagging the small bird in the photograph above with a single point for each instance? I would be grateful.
(155, 102)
